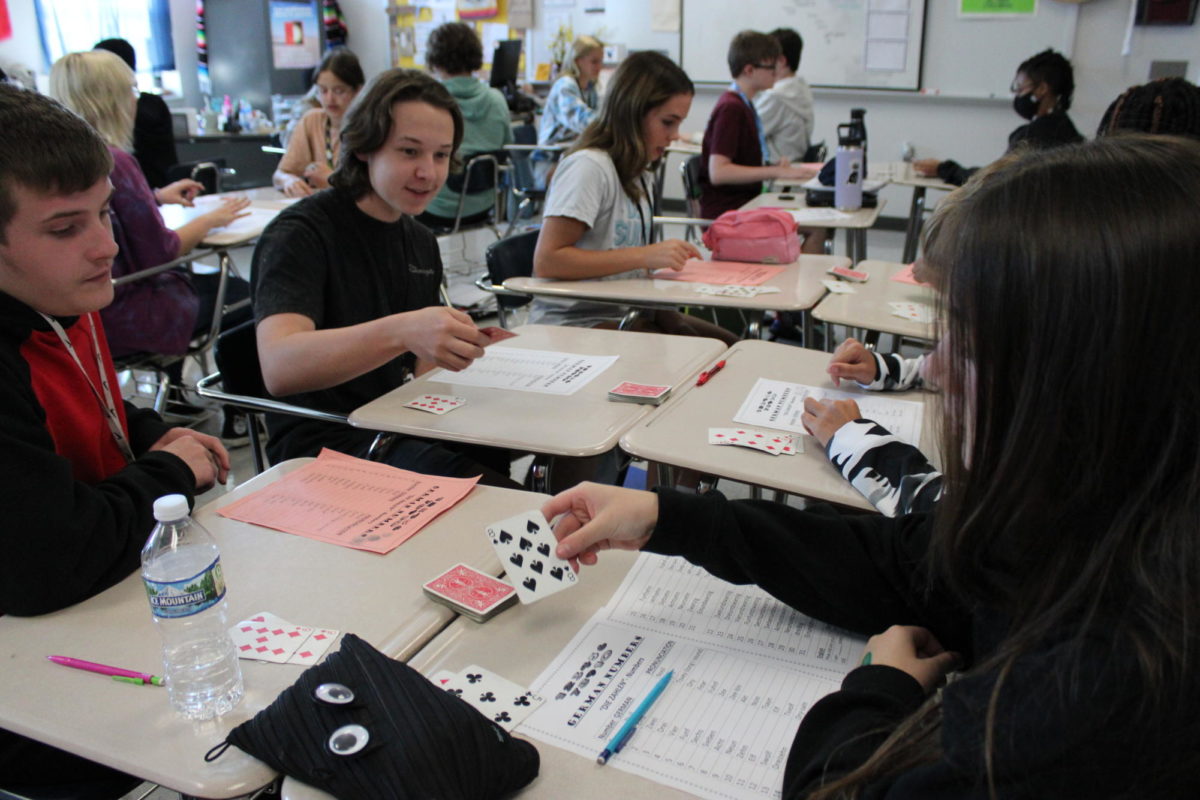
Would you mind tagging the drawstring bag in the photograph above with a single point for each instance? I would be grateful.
(757, 235)
(361, 724)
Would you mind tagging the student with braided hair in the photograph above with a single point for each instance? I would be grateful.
(1164, 106)
(1042, 91)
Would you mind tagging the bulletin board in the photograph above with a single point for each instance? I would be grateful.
(412, 23)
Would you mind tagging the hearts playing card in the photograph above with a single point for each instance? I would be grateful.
(436, 403)
(773, 442)
(497, 698)
(838, 287)
(525, 545)
(917, 312)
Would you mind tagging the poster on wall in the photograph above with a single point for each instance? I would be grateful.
(996, 9)
(295, 34)
(478, 9)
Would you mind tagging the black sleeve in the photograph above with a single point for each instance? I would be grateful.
(145, 427)
(65, 540)
(954, 173)
(862, 572)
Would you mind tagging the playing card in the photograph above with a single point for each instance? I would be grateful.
(838, 287)
(772, 442)
(917, 312)
(436, 403)
(849, 274)
(266, 637)
(469, 591)
(525, 545)
(497, 698)
(497, 334)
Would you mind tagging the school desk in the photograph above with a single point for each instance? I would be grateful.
(543, 628)
(133, 728)
(855, 223)
(678, 433)
(799, 284)
(265, 203)
(586, 423)
(901, 174)
(868, 310)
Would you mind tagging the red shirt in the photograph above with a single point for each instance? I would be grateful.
(732, 133)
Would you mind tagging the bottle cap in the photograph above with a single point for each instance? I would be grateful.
(170, 507)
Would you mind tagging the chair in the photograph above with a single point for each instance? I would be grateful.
(239, 374)
(210, 173)
(689, 171)
(480, 173)
(158, 364)
(508, 258)
(523, 184)
(815, 153)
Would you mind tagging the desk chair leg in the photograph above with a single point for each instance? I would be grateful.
(380, 446)
(628, 321)
(539, 475)
(829, 245)
(756, 493)
(666, 475)
(256, 443)
(916, 218)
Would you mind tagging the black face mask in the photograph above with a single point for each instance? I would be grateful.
(1026, 105)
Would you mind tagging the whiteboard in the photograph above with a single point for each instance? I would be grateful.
(867, 44)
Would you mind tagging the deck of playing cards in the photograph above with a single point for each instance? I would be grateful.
(499, 699)
(474, 594)
(773, 442)
(525, 545)
(627, 392)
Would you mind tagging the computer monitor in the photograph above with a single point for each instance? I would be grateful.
(504, 63)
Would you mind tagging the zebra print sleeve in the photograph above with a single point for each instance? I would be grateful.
(894, 373)
(894, 476)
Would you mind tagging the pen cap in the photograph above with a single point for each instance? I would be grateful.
(170, 507)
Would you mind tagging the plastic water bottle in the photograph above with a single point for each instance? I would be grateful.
(181, 568)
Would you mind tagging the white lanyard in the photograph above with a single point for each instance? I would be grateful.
(107, 405)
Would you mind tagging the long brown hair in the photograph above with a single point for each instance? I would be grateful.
(644, 81)
(1072, 499)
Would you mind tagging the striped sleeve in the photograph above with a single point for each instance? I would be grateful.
(894, 373)
(891, 474)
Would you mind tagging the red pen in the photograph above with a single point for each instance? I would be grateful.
(708, 373)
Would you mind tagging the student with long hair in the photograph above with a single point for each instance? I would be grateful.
(314, 147)
(1042, 91)
(598, 216)
(572, 104)
(1058, 573)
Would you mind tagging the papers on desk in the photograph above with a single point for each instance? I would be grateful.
(350, 501)
(720, 273)
(906, 276)
(252, 224)
(542, 371)
(779, 404)
(804, 216)
(747, 669)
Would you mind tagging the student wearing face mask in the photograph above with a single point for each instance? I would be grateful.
(1042, 93)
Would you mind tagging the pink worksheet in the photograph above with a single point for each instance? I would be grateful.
(721, 273)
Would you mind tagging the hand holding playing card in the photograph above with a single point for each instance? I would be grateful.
(597, 517)
(525, 545)
(823, 418)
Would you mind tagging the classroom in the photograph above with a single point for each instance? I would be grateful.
(592, 398)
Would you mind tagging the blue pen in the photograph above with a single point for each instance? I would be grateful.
(626, 732)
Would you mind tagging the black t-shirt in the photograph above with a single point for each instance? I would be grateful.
(154, 139)
(327, 260)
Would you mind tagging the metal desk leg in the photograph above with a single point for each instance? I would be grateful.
(916, 218)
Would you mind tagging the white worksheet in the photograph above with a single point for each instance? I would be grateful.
(543, 371)
(779, 404)
(747, 669)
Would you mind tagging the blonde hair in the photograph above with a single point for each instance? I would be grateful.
(583, 45)
(97, 86)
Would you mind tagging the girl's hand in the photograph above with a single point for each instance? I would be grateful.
(854, 361)
(231, 208)
(597, 517)
(317, 175)
(180, 192)
(297, 187)
(823, 419)
(926, 167)
(671, 254)
(913, 650)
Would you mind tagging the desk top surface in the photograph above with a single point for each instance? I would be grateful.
(794, 200)
(901, 173)
(265, 203)
(543, 628)
(585, 423)
(133, 728)
(799, 284)
(678, 433)
(868, 307)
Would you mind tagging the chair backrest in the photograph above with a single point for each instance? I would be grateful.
(208, 172)
(815, 153)
(511, 258)
(690, 171)
(479, 173)
(236, 354)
